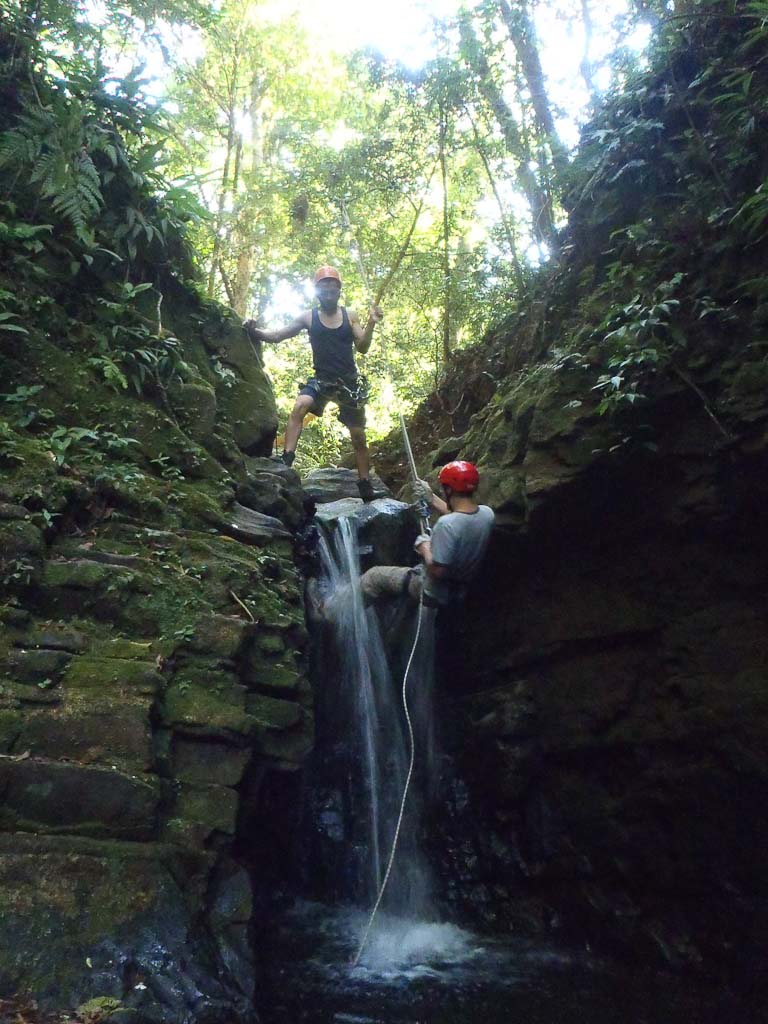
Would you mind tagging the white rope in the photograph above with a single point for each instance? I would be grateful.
(391, 860)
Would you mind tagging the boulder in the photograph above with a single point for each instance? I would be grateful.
(272, 489)
(386, 528)
(332, 484)
(253, 527)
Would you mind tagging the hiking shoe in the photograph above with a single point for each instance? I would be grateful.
(365, 488)
(288, 458)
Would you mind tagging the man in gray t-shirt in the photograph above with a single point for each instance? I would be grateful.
(453, 554)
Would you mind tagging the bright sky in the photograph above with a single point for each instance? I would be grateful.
(399, 29)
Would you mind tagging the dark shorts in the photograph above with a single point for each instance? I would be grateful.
(351, 415)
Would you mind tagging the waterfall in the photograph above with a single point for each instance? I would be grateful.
(365, 701)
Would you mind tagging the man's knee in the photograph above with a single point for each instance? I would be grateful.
(301, 407)
(357, 435)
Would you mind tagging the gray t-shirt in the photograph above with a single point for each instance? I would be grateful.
(459, 540)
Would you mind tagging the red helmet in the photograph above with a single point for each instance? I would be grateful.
(461, 477)
(324, 272)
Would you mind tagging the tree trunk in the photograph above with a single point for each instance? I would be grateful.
(538, 200)
(511, 241)
(224, 192)
(586, 63)
(245, 233)
(522, 32)
(446, 250)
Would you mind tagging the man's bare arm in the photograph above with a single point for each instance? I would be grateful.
(434, 568)
(364, 335)
(301, 323)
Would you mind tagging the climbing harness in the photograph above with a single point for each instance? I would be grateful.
(355, 393)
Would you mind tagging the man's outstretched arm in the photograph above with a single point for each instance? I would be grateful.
(364, 335)
(301, 323)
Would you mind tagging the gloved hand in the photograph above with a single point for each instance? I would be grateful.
(419, 541)
(422, 491)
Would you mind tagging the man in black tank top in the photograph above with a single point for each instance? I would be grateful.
(334, 334)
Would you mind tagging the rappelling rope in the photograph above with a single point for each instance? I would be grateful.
(412, 746)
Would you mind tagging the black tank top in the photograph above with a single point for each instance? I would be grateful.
(332, 348)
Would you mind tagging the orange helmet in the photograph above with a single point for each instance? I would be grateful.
(325, 272)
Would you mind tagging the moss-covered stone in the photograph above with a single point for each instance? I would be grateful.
(194, 403)
(108, 678)
(84, 574)
(270, 643)
(36, 665)
(71, 902)
(198, 811)
(119, 647)
(283, 677)
(290, 746)
(220, 636)
(272, 713)
(206, 702)
(43, 796)
(207, 760)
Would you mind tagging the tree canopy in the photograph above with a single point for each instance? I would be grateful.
(230, 143)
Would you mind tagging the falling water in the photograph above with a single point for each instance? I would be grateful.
(370, 702)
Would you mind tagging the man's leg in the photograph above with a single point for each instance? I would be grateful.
(387, 581)
(300, 409)
(362, 461)
(360, 448)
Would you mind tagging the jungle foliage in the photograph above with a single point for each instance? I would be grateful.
(250, 174)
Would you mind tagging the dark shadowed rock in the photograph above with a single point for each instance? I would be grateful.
(386, 527)
(272, 489)
(254, 527)
(322, 485)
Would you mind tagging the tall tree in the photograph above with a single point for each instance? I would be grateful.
(522, 32)
(539, 199)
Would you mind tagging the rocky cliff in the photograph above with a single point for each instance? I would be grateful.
(152, 658)
(610, 709)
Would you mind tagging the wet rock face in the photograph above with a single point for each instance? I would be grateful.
(148, 679)
(152, 679)
(386, 528)
(611, 715)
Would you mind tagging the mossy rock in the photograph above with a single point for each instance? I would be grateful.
(36, 665)
(195, 406)
(77, 910)
(45, 796)
(273, 713)
(106, 679)
(56, 638)
(119, 647)
(212, 708)
(20, 541)
(199, 811)
(271, 643)
(291, 746)
(282, 676)
(115, 734)
(208, 760)
(84, 574)
(220, 636)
